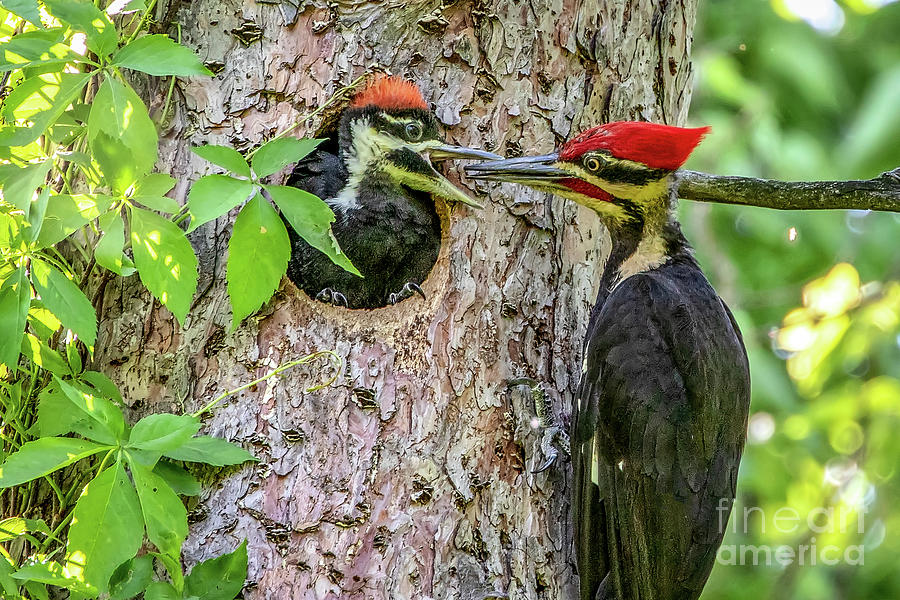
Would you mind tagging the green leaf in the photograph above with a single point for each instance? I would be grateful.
(210, 450)
(163, 432)
(12, 528)
(108, 252)
(311, 218)
(37, 526)
(220, 578)
(134, 6)
(103, 384)
(35, 48)
(164, 514)
(159, 55)
(53, 573)
(42, 456)
(43, 355)
(160, 203)
(224, 156)
(27, 9)
(37, 213)
(55, 415)
(19, 183)
(165, 260)
(15, 298)
(42, 321)
(258, 254)
(39, 100)
(107, 529)
(154, 184)
(7, 584)
(121, 135)
(73, 357)
(212, 196)
(104, 421)
(12, 228)
(67, 214)
(177, 478)
(65, 300)
(39, 591)
(276, 154)
(161, 590)
(83, 16)
(131, 578)
(173, 568)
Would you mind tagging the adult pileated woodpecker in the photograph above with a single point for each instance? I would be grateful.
(660, 419)
(380, 187)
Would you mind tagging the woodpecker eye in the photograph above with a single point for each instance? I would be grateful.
(592, 163)
(413, 132)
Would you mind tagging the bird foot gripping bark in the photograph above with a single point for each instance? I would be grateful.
(408, 290)
(330, 296)
(554, 439)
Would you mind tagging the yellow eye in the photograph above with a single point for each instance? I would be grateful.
(592, 164)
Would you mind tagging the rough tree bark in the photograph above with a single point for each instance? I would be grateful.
(411, 476)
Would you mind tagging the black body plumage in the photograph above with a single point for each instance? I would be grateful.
(390, 232)
(658, 427)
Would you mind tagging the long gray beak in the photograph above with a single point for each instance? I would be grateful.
(446, 152)
(539, 170)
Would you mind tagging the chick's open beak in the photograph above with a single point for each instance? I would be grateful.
(417, 173)
(446, 151)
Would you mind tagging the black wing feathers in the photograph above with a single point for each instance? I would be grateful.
(320, 173)
(664, 406)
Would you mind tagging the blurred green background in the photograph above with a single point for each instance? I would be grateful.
(807, 89)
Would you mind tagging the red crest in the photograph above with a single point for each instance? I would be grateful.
(391, 93)
(654, 145)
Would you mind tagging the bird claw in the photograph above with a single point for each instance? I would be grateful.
(329, 296)
(547, 464)
(553, 442)
(408, 290)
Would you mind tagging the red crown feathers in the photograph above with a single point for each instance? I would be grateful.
(654, 145)
(390, 93)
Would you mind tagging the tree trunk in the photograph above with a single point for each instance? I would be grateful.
(411, 476)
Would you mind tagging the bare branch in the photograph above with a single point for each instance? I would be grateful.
(880, 193)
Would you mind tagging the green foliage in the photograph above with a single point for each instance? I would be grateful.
(311, 218)
(77, 195)
(135, 494)
(815, 293)
(164, 259)
(218, 578)
(65, 300)
(42, 456)
(121, 135)
(259, 248)
(279, 153)
(159, 55)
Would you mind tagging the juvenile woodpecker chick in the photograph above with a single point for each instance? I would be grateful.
(380, 186)
(660, 417)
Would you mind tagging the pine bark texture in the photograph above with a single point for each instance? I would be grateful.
(410, 477)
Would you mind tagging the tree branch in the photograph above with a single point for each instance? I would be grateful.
(880, 193)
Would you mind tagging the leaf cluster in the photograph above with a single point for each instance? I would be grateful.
(78, 196)
(132, 493)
